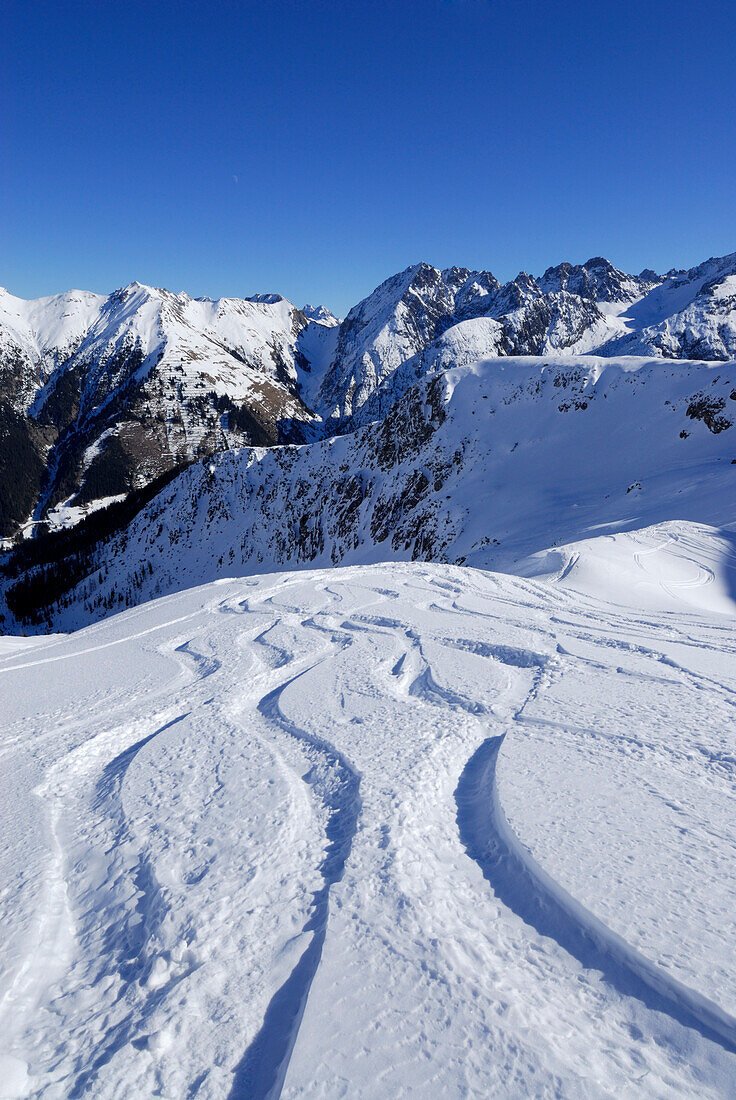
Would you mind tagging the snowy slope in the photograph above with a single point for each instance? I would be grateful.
(37, 336)
(383, 831)
(691, 314)
(489, 464)
(448, 810)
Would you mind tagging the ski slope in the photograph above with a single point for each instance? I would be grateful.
(381, 831)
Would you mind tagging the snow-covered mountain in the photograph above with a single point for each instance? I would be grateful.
(106, 394)
(321, 314)
(103, 395)
(488, 465)
(426, 319)
(690, 314)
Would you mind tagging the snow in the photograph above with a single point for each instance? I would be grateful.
(163, 367)
(43, 324)
(378, 827)
(67, 514)
(161, 370)
(672, 566)
(317, 343)
(677, 292)
(321, 314)
(231, 340)
(376, 831)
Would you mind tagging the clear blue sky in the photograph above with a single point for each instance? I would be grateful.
(316, 147)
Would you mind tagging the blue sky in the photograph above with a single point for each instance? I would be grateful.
(315, 148)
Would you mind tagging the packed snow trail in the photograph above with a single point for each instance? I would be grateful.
(250, 837)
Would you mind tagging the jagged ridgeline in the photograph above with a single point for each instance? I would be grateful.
(102, 395)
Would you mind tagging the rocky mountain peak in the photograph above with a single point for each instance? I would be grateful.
(265, 299)
(514, 294)
(321, 314)
(596, 279)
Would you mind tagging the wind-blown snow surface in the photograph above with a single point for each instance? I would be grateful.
(393, 830)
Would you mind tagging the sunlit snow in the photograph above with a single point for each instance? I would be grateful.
(388, 830)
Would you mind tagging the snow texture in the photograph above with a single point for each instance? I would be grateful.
(389, 830)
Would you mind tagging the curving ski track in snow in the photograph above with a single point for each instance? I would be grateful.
(523, 885)
(287, 856)
(336, 784)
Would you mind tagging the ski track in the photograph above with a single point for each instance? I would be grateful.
(522, 884)
(336, 784)
(294, 673)
(128, 930)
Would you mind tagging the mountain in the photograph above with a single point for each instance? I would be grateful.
(321, 314)
(426, 320)
(487, 465)
(104, 396)
(99, 395)
(387, 329)
(689, 314)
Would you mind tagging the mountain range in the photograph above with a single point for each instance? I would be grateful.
(104, 400)
(103, 395)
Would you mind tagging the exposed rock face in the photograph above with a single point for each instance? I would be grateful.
(425, 319)
(597, 279)
(385, 330)
(416, 321)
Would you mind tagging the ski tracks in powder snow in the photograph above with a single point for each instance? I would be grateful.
(282, 866)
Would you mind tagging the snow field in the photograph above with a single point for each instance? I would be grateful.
(381, 831)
